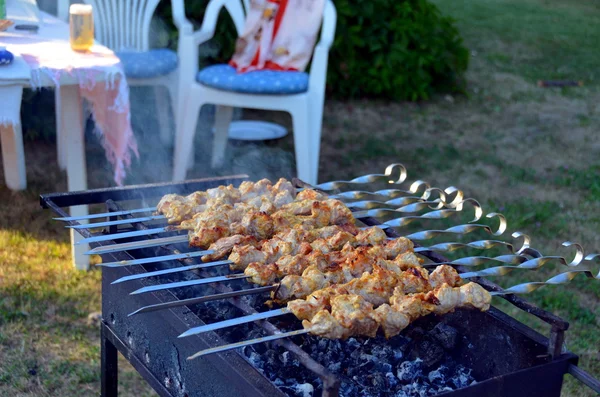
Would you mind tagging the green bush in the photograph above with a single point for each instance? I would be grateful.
(402, 49)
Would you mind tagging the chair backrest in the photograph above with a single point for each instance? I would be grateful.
(123, 24)
(237, 10)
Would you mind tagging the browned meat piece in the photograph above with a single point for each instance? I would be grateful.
(296, 264)
(333, 243)
(227, 194)
(258, 224)
(391, 321)
(325, 325)
(297, 207)
(263, 204)
(398, 246)
(340, 214)
(179, 208)
(262, 274)
(444, 274)
(223, 247)
(310, 194)
(350, 315)
(305, 309)
(284, 221)
(413, 280)
(284, 186)
(282, 198)
(275, 248)
(375, 287)
(243, 255)
(470, 295)
(371, 236)
(407, 260)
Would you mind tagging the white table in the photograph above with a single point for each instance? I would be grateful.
(15, 77)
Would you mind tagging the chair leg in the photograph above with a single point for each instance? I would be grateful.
(163, 101)
(223, 116)
(184, 138)
(13, 156)
(302, 143)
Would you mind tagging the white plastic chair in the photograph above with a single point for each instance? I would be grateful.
(124, 27)
(306, 108)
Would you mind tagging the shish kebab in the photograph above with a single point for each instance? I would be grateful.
(382, 299)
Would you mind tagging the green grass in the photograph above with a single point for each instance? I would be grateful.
(528, 152)
(538, 39)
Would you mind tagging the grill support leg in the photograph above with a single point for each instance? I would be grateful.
(109, 365)
(557, 340)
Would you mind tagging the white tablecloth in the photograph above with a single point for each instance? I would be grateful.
(46, 59)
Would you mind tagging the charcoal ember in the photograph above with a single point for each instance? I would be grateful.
(335, 367)
(391, 379)
(462, 377)
(378, 381)
(430, 352)
(348, 389)
(408, 371)
(362, 368)
(445, 335)
(383, 366)
(440, 376)
(352, 343)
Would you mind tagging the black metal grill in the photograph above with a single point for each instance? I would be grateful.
(520, 362)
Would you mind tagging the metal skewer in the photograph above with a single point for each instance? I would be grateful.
(141, 244)
(531, 264)
(473, 261)
(188, 283)
(117, 222)
(201, 299)
(119, 236)
(235, 321)
(248, 343)
(171, 271)
(144, 261)
(105, 214)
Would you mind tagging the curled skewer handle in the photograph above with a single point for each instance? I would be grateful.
(458, 196)
(394, 173)
(531, 264)
(562, 278)
(462, 229)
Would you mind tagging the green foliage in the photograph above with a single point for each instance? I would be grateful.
(402, 50)
(225, 33)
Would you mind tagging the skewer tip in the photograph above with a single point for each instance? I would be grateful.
(134, 312)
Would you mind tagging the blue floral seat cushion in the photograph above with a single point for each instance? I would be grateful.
(148, 64)
(225, 77)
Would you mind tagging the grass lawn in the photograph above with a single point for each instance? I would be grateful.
(531, 153)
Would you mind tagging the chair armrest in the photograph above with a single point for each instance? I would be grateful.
(211, 16)
(318, 69)
(179, 19)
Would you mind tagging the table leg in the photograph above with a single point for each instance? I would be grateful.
(74, 149)
(13, 156)
(60, 139)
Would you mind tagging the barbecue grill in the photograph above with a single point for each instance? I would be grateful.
(464, 353)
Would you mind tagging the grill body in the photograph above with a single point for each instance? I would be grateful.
(509, 358)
